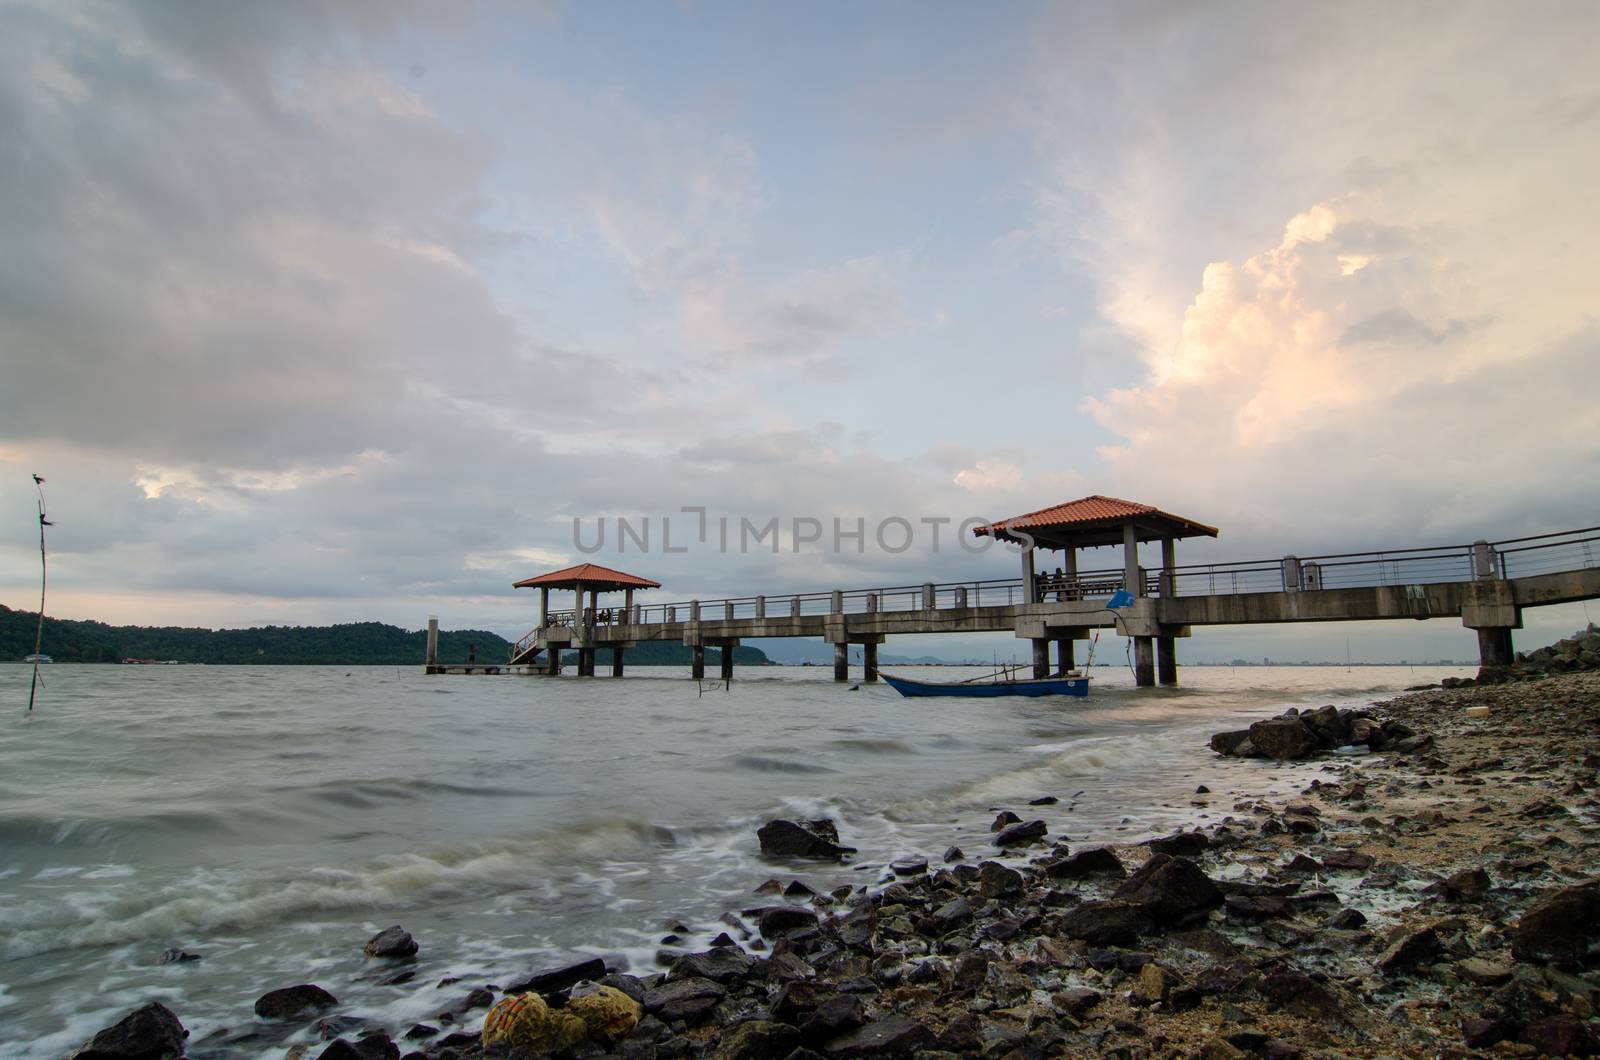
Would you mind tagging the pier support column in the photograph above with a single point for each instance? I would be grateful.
(616, 662)
(1494, 646)
(869, 660)
(1167, 660)
(727, 662)
(841, 662)
(1041, 658)
(697, 662)
(431, 660)
(1065, 663)
(586, 662)
(1144, 662)
(555, 659)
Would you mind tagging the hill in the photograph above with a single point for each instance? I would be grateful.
(348, 644)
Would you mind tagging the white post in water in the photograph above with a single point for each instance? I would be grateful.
(433, 642)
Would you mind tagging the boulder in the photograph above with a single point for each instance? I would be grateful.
(1180, 844)
(719, 964)
(391, 942)
(560, 977)
(1023, 832)
(1233, 743)
(1096, 861)
(1283, 739)
(890, 1036)
(1331, 727)
(1170, 889)
(1560, 927)
(150, 1032)
(776, 920)
(1561, 1034)
(1112, 923)
(815, 839)
(1410, 950)
(757, 1040)
(996, 880)
(293, 1001)
(685, 999)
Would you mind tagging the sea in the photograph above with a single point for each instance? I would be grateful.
(272, 819)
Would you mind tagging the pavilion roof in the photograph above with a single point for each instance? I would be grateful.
(1095, 520)
(587, 576)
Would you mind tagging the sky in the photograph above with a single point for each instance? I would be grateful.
(323, 312)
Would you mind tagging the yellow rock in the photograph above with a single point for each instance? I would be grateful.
(606, 1010)
(524, 1019)
(1477, 712)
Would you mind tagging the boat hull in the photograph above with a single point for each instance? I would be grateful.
(1047, 686)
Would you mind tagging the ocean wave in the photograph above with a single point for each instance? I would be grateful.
(899, 747)
(763, 764)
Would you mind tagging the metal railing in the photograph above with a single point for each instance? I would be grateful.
(1514, 557)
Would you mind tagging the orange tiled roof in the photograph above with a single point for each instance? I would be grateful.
(1094, 510)
(590, 574)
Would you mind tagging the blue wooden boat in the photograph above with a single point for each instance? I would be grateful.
(1069, 685)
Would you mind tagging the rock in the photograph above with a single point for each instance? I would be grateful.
(560, 977)
(1096, 861)
(1180, 844)
(996, 880)
(1155, 984)
(1283, 739)
(1020, 833)
(776, 920)
(377, 1046)
(1234, 744)
(1484, 972)
(787, 967)
(1044, 800)
(836, 1015)
(293, 1001)
(1347, 919)
(1560, 927)
(1331, 727)
(1002, 820)
(1077, 1000)
(1561, 1034)
(1467, 884)
(1347, 859)
(953, 912)
(1299, 993)
(1483, 1032)
(150, 1032)
(1111, 923)
(953, 854)
(909, 867)
(176, 956)
(685, 999)
(1249, 908)
(1170, 889)
(1302, 864)
(816, 839)
(720, 965)
(391, 942)
(1413, 948)
(758, 1040)
(890, 1036)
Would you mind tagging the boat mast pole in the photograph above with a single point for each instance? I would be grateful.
(38, 636)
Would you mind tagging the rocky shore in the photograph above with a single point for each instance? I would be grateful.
(1430, 893)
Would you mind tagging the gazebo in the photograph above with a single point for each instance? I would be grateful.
(588, 578)
(1093, 522)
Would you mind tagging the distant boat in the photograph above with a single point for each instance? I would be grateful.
(40, 658)
(1000, 684)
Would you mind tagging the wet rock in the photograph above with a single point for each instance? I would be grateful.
(719, 964)
(798, 889)
(1299, 993)
(1096, 861)
(953, 854)
(1283, 739)
(815, 839)
(560, 977)
(777, 920)
(1077, 1000)
(683, 999)
(787, 967)
(1170, 889)
(1250, 908)
(909, 867)
(1180, 844)
(1020, 833)
(1408, 951)
(1003, 820)
(1467, 884)
(890, 1036)
(996, 880)
(758, 1040)
(377, 1046)
(1347, 919)
(1560, 928)
(1483, 1031)
(1347, 860)
(293, 1001)
(1044, 800)
(1302, 864)
(177, 956)
(1111, 923)
(1331, 727)
(391, 942)
(1234, 744)
(1484, 972)
(1562, 1034)
(835, 1016)
(150, 1032)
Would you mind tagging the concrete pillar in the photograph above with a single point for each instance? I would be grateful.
(694, 610)
(1167, 660)
(1041, 658)
(1030, 586)
(1064, 656)
(1169, 561)
(555, 659)
(1291, 574)
(727, 610)
(794, 607)
(872, 603)
(431, 656)
(1130, 559)
(616, 662)
(836, 602)
(697, 662)
(727, 662)
(841, 662)
(1482, 561)
(627, 603)
(929, 597)
(869, 658)
(1144, 662)
(961, 596)
(761, 607)
(1494, 646)
(544, 605)
(585, 662)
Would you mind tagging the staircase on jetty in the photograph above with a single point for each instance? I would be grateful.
(1485, 584)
